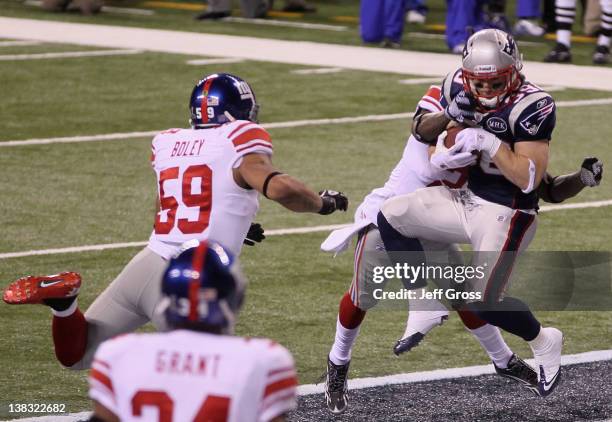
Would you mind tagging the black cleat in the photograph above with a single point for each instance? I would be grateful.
(406, 344)
(212, 16)
(601, 55)
(519, 370)
(559, 54)
(336, 387)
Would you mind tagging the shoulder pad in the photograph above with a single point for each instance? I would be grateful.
(451, 86)
(533, 117)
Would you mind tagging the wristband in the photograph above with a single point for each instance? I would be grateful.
(328, 206)
(532, 173)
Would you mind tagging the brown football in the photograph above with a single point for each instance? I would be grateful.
(451, 133)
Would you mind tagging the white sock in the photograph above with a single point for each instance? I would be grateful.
(603, 40)
(340, 352)
(67, 312)
(493, 343)
(564, 36)
(541, 343)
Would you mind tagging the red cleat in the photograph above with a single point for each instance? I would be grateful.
(33, 289)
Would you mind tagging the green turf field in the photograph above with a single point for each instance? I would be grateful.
(75, 194)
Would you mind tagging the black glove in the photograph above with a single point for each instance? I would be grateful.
(591, 171)
(332, 201)
(255, 234)
(462, 109)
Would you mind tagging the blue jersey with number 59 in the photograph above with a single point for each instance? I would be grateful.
(528, 115)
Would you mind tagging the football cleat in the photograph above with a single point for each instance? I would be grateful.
(519, 370)
(408, 342)
(336, 387)
(559, 54)
(527, 27)
(548, 362)
(33, 289)
(601, 55)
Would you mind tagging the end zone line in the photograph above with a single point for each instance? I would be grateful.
(405, 378)
(449, 373)
(68, 54)
(273, 232)
(276, 125)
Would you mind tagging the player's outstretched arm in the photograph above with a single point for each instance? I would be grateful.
(427, 126)
(560, 188)
(256, 171)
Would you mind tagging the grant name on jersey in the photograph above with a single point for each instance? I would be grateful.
(182, 363)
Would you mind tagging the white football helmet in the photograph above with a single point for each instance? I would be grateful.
(491, 67)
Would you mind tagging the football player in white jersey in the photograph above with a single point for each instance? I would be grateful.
(197, 370)
(209, 179)
(413, 172)
(513, 122)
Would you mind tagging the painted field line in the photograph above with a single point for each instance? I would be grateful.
(318, 71)
(450, 373)
(127, 11)
(277, 125)
(107, 246)
(419, 81)
(273, 232)
(18, 43)
(288, 24)
(68, 54)
(107, 9)
(577, 205)
(406, 378)
(217, 60)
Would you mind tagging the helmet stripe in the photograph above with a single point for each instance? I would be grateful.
(198, 264)
(204, 108)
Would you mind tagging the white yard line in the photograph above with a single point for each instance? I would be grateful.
(317, 71)
(127, 11)
(288, 24)
(273, 232)
(277, 125)
(106, 9)
(406, 378)
(219, 60)
(18, 43)
(282, 51)
(419, 81)
(68, 54)
(450, 373)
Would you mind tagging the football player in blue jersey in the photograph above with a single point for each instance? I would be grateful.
(506, 145)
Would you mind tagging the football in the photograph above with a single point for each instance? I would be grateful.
(451, 133)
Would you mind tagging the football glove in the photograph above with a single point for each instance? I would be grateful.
(332, 201)
(462, 109)
(452, 158)
(477, 139)
(254, 235)
(591, 171)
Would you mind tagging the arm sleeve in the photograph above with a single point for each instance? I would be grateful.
(430, 102)
(249, 137)
(280, 391)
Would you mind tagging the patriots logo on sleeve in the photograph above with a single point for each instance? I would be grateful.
(533, 122)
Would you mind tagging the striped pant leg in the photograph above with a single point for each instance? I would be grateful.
(606, 17)
(369, 253)
(499, 235)
(565, 14)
